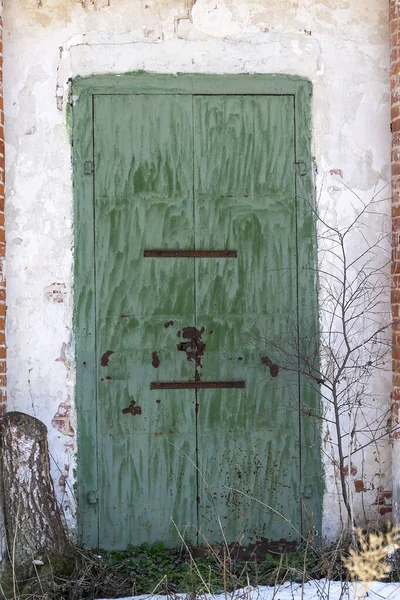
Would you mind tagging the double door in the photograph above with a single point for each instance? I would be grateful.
(196, 258)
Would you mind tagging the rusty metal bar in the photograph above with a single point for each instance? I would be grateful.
(190, 253)
(195, 385)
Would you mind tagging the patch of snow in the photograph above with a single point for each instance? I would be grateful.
(314, 590)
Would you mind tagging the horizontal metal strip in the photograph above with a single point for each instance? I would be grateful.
(195, 385)
(190, 253)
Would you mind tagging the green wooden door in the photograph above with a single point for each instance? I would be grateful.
(196, 259)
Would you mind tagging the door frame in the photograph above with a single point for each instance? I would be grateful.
(82, 92)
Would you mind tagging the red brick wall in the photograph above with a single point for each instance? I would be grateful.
(3, 351)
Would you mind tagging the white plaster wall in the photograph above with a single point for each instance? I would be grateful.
(342, 46)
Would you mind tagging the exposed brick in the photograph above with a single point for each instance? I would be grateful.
(396, 338)
(395, 395)
(396, 137)
(395, 296)
(394, 10)
(395, 68)
(396, 228)
(395, 93)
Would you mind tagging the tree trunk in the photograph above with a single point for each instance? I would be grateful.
(34, 528)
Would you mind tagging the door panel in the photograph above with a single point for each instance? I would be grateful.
(245, 200)
(207, 173)
(143, 200)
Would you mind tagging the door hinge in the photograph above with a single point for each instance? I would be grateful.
(92, 496)
(306, 491)
(88, 168)
(301, 168)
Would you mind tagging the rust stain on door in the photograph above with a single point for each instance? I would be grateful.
(273, 367)
(105, 358)
(194, 347)
(132, 409)
(155, 360)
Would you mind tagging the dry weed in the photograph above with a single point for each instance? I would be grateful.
(369, 562)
